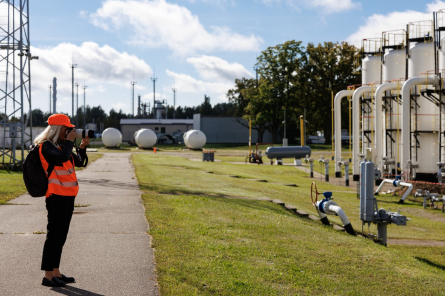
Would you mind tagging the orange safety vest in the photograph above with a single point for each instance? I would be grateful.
(63, 180)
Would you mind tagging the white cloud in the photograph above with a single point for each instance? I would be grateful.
(378, 23)
(435, 6)
(216, 69)
(119, 106)
(160, 24)
(187, 84)
(327, 6)
(95, 65)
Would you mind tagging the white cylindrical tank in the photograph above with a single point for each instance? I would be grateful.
(145, 138)
(421, 59)
(111, 137)
(394, 66)
(442, 56)
(195, 139)
(425, 114)
(371, 69)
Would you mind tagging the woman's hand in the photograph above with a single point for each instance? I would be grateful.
(85, 142)
(71, 135)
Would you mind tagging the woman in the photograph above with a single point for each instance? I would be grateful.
(55, 148)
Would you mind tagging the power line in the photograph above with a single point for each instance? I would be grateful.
(50, 87)
(72, 90)
(84, 107)
(77, 105)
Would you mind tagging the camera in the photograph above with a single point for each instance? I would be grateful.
(81, 133)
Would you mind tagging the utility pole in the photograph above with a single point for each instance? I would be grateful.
(84, 108)
(72, 90)
(50, 87)
(174, 103)
(132, 98)
(77, 105)
(154, 95)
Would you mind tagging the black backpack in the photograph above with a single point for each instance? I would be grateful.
(34, 176)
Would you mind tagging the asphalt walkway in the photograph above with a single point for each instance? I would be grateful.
(108, 249)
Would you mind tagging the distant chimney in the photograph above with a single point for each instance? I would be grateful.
(54, 95)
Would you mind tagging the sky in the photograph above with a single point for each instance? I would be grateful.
(198, 47)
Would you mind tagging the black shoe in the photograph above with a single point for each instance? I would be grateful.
(67, 280)
(54, 282)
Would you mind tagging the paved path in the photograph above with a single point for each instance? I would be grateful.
(108, 249)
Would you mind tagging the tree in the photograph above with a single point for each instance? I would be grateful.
(279, 86)
(330, 68)
(206, 107)
(243, 97)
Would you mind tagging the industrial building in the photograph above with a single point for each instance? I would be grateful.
(217, 129)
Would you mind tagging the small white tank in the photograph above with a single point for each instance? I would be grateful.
(195, 139)
(394, 66)
(145, 138)
(371, 69)
(111, 137)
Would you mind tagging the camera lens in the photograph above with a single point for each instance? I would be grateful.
(85, 133)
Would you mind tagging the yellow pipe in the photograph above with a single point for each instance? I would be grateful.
(302, 129)
(332, 115)
(250, 137)
(350, 126)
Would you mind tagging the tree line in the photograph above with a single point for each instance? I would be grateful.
(290, 79)
(112, 119)
(293, 79)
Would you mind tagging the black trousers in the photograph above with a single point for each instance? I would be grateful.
(60, 210)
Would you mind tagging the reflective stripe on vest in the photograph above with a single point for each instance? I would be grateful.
(64, 172)
(64, 184)
(63, 180)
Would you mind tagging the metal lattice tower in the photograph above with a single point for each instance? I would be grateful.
(15, 81)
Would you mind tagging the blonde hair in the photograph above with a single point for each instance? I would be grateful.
(51, 133)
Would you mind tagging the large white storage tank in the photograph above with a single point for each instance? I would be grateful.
(393, 68)
(194, 139)
(425, 114)
(145, 138)
(394, 65)
(371, 69)
(442, 56)
(111, 137)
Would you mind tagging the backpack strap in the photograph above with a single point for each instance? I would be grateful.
(50, 166)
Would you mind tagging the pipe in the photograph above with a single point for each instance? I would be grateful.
(337, 129)
(323, 217)
(346, 164)
(378, 122)
(405, 114)
(329, 207)
(397, 183)
(355, 131)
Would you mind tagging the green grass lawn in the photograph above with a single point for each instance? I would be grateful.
(12, 185)
(206, 244)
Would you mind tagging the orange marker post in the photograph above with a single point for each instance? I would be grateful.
(154, 149)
